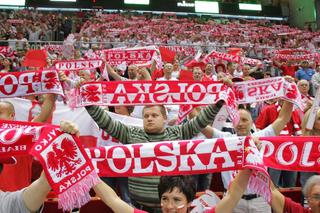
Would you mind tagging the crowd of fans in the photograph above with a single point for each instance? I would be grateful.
(255, 39)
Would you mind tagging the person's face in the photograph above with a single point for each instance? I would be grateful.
(246, 70)
(176, 65)
(197, 74)
(304, 64)
(208, 69)
(85, 75)
(174, 201)
(132, 71)
(303, 87)
(6, 112)
(219, 69)
(153, 120)
(167, 69)
(245, 123)
(314, 199)
(6, 62)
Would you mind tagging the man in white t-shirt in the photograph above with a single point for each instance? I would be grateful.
(251, 202)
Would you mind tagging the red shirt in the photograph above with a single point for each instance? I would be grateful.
(289, 70)
(270, 113)
(293, 207)
(17, 176)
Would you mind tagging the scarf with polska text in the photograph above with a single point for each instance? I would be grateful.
(178, 157)
(68, 169)
(184, 157)
(78, 64)
(186, 93)
(15, 84)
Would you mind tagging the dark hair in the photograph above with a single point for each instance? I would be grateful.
(1, 167)
(184, 183)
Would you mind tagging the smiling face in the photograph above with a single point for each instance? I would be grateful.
(174, 202)
(245, 123)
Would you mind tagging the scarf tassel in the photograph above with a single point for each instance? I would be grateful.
(78, 195)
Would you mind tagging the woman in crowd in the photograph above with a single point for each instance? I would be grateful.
(176, 194)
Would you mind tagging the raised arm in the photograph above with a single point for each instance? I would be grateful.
(277, 200)
(235, 192)
(35, 194)
(113, 73)
(46, 108)
(197, 124)
(115, 128)
(111, 199)
(283, 118)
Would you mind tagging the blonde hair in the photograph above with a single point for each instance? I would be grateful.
(305, 119)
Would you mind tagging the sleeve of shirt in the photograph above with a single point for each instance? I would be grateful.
(266, 132)
(191, 128)
(219, 134)
(262, 120)
(115, 128)
(12, 202)
(139, 211)
(292, 207)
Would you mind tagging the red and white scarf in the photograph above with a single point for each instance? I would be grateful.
(68, 169)
(131, 56)
(15, 84)
(230, 57)
(77, 64)
(184, 157)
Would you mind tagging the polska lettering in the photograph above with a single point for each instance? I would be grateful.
(168, 157)
(131, 93)
(17, 84)
(78, 64)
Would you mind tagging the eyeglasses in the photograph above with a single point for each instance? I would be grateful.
(314, 198)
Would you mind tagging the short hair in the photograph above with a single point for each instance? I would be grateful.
(11, 107)
(313, 180)
(163, 109)
(186, 184)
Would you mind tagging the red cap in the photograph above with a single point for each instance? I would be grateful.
(8, 160)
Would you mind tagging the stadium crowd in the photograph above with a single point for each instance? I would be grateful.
(91, 35)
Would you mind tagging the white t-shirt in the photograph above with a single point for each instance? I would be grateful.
(227, 176)
(13, 202)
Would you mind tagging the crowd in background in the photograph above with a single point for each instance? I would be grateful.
(98, 31)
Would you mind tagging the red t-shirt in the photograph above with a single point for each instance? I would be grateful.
(17, 176)
(293, 207)
(270, 113)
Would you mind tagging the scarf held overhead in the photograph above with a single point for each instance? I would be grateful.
(185, 92)
(15, 84)
(68, 169)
